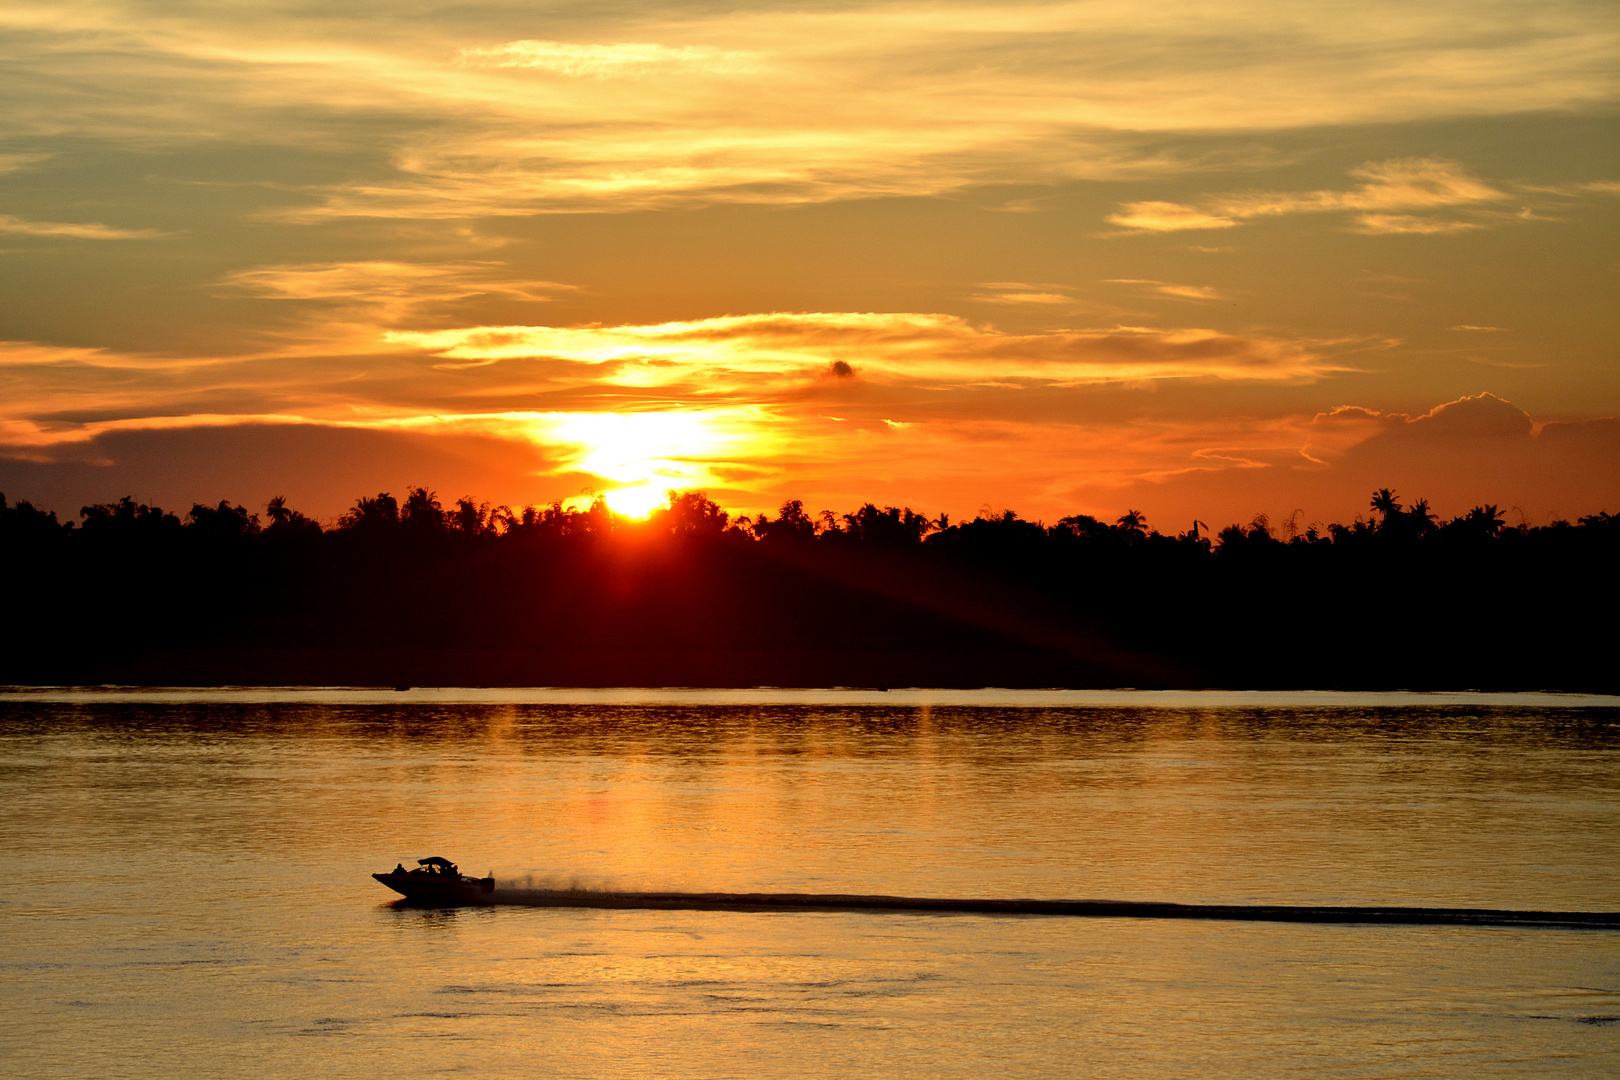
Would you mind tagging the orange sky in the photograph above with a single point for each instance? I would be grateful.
(1199, 260)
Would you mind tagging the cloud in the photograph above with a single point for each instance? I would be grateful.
(86, 231)
(1331, 435)
(1404, 184)
(1387, 188)
(382, 293)
(766, 353)
(12, 162)
(341, 307)
(1165, 288)
(605, 61)
(321, 469)
(1464, 452)
(1476, 449)
(381, 280)
(1019, 294)
(1409, 225)
(1483, 416)
(51, 392)
(1167, 217)
(651, 108)
(692, 403)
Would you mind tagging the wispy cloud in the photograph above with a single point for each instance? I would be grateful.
(10, 162)
(776, 106)
(392, 284)
(1387, 200)
(735, 353)
(1154, 216)
(1166, 288)
(620, 59)
(1410, 225)
(1022, 293)
(341, 307)
(1404, 184)
(908, 367)
(76, 231)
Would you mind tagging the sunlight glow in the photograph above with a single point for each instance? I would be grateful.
(647, 454)
(637, 502)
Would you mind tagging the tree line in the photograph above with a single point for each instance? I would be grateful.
(422, 516)
(418, 590)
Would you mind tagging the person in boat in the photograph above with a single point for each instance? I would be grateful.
(437, 867)
(399, 868)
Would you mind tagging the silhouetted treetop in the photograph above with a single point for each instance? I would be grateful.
(792, 525)
(374, 515)
(222, 522)
(127, 519)
(689, 513)
(422, 511)
(287, 522)
(891, 526)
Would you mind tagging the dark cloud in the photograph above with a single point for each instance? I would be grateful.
(1483, 417)
(320, 469)
(1475, 450)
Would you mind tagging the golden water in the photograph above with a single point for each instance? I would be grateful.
(188, 889)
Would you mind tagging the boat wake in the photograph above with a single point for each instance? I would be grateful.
(584, 897)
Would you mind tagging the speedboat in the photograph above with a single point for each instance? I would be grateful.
(437, 882)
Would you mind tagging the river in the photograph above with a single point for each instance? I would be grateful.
(189, 892)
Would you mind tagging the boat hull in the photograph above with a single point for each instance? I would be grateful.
(429, 890)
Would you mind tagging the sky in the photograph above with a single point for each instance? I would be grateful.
(1201, 260)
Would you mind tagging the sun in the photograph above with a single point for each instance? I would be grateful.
(639, 501)
(645, 455)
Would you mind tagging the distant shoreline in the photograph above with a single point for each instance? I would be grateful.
(908, 697)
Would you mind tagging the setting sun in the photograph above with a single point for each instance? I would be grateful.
(646, 454)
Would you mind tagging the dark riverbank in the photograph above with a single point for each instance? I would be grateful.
(883, 598)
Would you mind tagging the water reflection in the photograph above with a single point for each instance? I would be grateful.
(190, 892)
(1453, 805)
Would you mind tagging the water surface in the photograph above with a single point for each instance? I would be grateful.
(190, 891)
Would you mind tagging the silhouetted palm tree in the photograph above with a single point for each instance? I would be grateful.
(1386, 503)
(472, 518)
(502, 520)
(690, 513)
(375, 513)
(1420, 517)
(422, 509)
(1487, 521)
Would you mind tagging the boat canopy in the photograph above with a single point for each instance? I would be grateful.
(434, 860)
